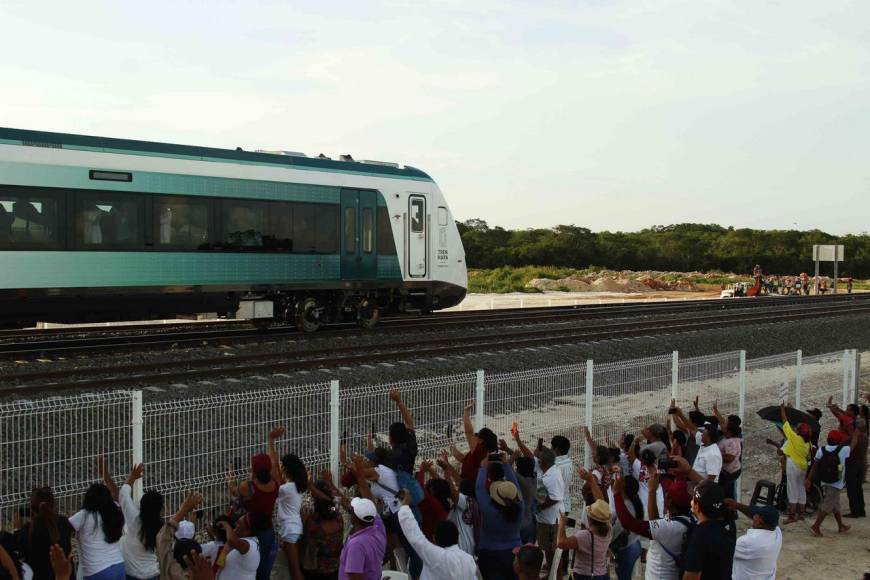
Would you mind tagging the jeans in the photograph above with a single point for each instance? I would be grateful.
(113, 572)
(728, 481)
(626, 559)
(268, 552)
(496, 564)
(135, 578)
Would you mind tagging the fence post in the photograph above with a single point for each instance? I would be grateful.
(136, 425)
(590, 384)
(847, 363)
(334, 426)
(797, 378)
(480, 399)
(675, 374)
(741, 410)
(856, 374)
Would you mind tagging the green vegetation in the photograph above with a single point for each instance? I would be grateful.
(681, 248)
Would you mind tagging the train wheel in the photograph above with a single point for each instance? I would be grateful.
(367, 314)
(308, 315)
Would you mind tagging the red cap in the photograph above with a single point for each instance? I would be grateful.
(261, 462)
(804, 431)
(678, 491)
(836, 437)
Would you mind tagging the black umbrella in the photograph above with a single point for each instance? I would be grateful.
(794, 416)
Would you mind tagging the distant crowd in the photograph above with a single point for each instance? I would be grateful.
(497, 509)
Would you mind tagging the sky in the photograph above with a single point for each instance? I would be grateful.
(614, 115)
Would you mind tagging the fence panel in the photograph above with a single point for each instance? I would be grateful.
(713, 378)
(630, 395)
(822, 377)
(194, 443)
(55, 442)
(543, 402)
(767, 379)
(436, 403)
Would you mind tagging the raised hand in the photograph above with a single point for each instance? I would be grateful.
(277, 432)
(60, 563)
(396, 396)
(136, 473)
(198, 567)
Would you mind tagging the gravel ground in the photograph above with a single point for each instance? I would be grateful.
(848, 331)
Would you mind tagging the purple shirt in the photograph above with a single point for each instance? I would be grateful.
(363, 552)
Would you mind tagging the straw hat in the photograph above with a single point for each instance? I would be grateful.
(503, 493)
(599, 511)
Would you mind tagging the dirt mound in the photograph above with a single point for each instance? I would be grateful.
(565, 285)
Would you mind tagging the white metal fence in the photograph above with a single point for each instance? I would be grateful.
(193, 443)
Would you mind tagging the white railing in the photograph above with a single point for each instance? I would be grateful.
(193, 443)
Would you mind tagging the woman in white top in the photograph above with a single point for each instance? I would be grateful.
(141, 524)
(293, 477)
(98, 527)
(243, 558)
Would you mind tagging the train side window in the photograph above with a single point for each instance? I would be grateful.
(350, 230)
(327, 229)
(28, 220)
(442, 216)
(181, 222)
(368, 230)
(109, 220)
(386, 243)
(245, 224)
(279, 237)
(304, 227)
(417, 216)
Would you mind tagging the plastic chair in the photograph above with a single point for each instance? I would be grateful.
(764, 493)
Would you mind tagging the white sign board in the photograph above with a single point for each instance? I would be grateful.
(826, 253)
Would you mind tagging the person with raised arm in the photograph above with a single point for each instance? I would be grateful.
(462, 504)
(142, 523)
(830, 466)
(290, 473)
(501, 507)
(480, 445)
(402, 437)
(171, 552)
(667, 534)
(797, 453)
(590, 545)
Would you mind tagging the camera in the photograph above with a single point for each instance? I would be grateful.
(665, 464)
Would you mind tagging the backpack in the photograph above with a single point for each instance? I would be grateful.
(829, 465)
(680, 559)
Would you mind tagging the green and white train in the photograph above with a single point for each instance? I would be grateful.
(97, 229)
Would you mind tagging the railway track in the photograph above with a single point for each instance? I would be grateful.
(73, 341)
(272, 362)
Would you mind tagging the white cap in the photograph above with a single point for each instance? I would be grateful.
(364, 509)
(186, 530)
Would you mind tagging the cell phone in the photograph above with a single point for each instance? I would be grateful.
(540, 443)
(515, 429)
(672, 411)
(665, 464)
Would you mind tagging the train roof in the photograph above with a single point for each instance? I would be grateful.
(112, 145)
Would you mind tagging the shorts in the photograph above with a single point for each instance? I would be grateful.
(831, 502)
(291, 538)
(547, 536)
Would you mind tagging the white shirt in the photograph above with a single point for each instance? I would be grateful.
(210, 549)
(554, 488)
(708, 461)
(388, 478)
(462, 517)
(95, 553)
(288, 508)
(566, 468)
(438, 563)
(242, 566)
(641, 474)
(756, 553)
(668, 533)
(138, 561)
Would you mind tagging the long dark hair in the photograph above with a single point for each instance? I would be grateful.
(440, 490)
(44, 514)
(150, 508)
(98, 500)
(632, 488)
(295, 469)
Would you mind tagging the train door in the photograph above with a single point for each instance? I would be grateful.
(359, 259)
(417, 234)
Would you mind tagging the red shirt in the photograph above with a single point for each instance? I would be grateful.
(471, 463)
(431, 509)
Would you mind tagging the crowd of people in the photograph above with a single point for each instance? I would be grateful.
(499, 509)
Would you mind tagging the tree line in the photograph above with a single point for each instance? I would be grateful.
(679, 247)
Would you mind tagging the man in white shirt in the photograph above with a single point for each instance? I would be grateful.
(443, 560)
(561, 446)
(757, 551)
(551, 493)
